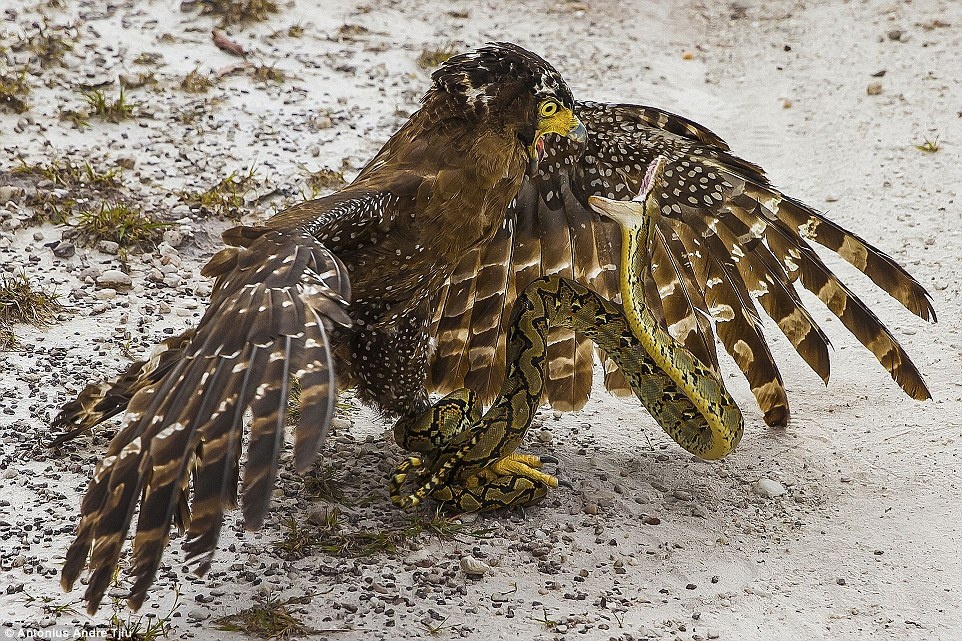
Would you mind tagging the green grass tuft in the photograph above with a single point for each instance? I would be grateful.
(196, 82)
(121, 224)
(22, 301)
(269, 618)
(233, 12)
(131, 627)
(432, 57)
(66, 173)
(224, 199)
(929, 146)
(14, 91)
(324, 180)
(268, 74)
(110, 110)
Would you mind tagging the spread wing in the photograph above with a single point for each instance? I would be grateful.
(728, 243)
(279, 293)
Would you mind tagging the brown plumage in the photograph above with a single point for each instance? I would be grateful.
(431, 244)
(726, 237)
(338, 285)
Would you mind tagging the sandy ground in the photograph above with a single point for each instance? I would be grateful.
(863, 544)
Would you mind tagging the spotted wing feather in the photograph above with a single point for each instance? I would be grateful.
(752, 237)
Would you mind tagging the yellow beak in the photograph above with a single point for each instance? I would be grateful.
(564, 123)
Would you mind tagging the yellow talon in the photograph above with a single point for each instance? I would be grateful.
(525, 465)
(472, 469)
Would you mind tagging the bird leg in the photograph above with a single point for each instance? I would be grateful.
(513, 481)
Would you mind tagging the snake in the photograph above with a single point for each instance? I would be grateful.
(475, 467)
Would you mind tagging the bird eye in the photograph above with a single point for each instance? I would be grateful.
(548, 108)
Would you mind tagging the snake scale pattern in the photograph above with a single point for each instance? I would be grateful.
(475, 467)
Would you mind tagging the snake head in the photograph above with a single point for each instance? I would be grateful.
(631, 213)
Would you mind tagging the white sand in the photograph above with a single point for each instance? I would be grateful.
(864, 544)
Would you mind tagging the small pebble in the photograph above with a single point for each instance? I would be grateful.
(106, 293)
(321, 517)
(198, 614)
(114, 279)
(420, 558)
(108, 247)
(768, 488)
(8, 193)
(63, 249)
(474, 568)
(874, 88)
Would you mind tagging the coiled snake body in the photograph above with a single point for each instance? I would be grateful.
(475, 468)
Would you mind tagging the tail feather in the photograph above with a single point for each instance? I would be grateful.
(566, 383)
(685, 311)
(739, 327)
(315, 373)
(802, 260)
(763, 273)
(269, 408)
(485, 364)
(451, 361)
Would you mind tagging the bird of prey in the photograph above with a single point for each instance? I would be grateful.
(436, 238)
(339, 286)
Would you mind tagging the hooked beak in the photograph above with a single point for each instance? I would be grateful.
(566, 124)
(578, 133)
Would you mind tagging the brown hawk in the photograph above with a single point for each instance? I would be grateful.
(340, 285)
(435, 238)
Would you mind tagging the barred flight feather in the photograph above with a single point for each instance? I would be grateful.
(101, 401)
(254, 337)
(728, 238)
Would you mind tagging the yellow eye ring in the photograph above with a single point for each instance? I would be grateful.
(548, 108)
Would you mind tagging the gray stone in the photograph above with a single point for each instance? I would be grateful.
(108, 247)
(64, 249)
(114, 279)
(8, 193)
(198, 614)
(474, 568)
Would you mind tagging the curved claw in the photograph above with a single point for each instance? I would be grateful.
(545, 458)
(565, 483)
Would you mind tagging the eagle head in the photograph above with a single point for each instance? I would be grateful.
(511, 88)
